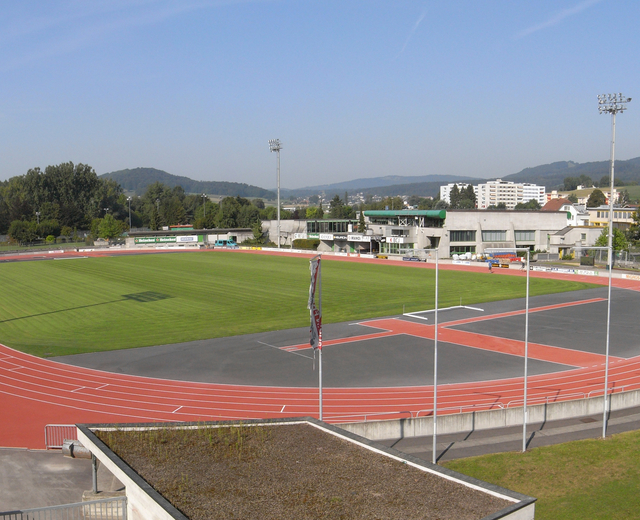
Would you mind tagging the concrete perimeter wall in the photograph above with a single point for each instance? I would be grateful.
(484, 420)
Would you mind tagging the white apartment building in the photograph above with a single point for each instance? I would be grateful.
(510, 193)
(445, 191)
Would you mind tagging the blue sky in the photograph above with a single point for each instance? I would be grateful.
(352, 89)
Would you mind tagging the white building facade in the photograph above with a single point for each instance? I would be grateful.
(508, 193)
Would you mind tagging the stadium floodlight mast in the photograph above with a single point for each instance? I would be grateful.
(612, 104)
(526, 338)
(275, 146)
(605, 407)
(204, 205)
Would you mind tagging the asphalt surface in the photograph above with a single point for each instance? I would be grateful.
(38, 478)
(402, 360)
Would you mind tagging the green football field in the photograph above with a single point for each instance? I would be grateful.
(51, 308)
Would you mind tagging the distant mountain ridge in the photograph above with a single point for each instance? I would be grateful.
(551, 176)
(137, 180)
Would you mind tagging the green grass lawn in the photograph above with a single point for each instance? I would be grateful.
(594, 479)
(84, 305)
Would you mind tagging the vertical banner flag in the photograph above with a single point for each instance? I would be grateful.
(315, 304)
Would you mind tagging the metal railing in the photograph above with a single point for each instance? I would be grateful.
(55, 435)
(103, 509)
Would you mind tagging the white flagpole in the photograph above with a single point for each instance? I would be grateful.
(435, 374)
(320, 339)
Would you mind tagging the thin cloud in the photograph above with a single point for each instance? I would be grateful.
(90, 22)
(413, 30)
(558, 18)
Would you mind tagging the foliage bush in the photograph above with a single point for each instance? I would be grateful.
(306, 243)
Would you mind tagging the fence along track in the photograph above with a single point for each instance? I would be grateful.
(56, 434)
(103, 509)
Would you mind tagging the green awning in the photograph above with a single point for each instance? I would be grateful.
(429, 213)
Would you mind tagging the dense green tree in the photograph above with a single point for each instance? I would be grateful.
(533, 204)
(634, 229)
(314, 213)
(572, 197)
(454, 197)
(248, 215)
(362, 227)
(22, 231)
(427, 203)
(470, 195)
(596, 199)
(619, 242)
(48, 227)
(70, 193)
(336, 207)
(110, 228)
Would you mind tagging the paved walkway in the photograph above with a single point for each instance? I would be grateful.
(500, 440)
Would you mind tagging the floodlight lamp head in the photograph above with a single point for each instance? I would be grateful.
(274, 145)
(612, 103)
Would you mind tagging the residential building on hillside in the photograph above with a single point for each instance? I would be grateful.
(564, 241)
(577, 215)
(622, 217)
(508, 193)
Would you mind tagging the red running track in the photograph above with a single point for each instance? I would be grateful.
(35, 392)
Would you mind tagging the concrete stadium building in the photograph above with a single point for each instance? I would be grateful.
(450, 231)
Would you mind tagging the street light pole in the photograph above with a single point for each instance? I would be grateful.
(275, 146)
(129, 200)
(434, 455)
(610, 104)
(204, 205)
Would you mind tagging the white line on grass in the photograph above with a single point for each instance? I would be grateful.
(283, 350)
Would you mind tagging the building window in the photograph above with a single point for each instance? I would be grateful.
(494, 236)
(461, 249)
(525, 236)
(462, 236)
(583, 236)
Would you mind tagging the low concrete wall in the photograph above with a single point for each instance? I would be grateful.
(484, 420)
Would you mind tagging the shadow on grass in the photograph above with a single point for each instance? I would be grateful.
(143, 297)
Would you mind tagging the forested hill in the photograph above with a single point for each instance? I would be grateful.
(137, 180)
(553, 175)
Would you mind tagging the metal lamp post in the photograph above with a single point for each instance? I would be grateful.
(129, 201)
(275, 146)
(435, 371)
(526, 341)
(204, 205)
(610, 104)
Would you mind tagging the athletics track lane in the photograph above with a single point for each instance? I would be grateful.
(35, 391)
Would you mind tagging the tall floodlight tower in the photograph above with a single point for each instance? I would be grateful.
(275, 146)
(610, 104)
